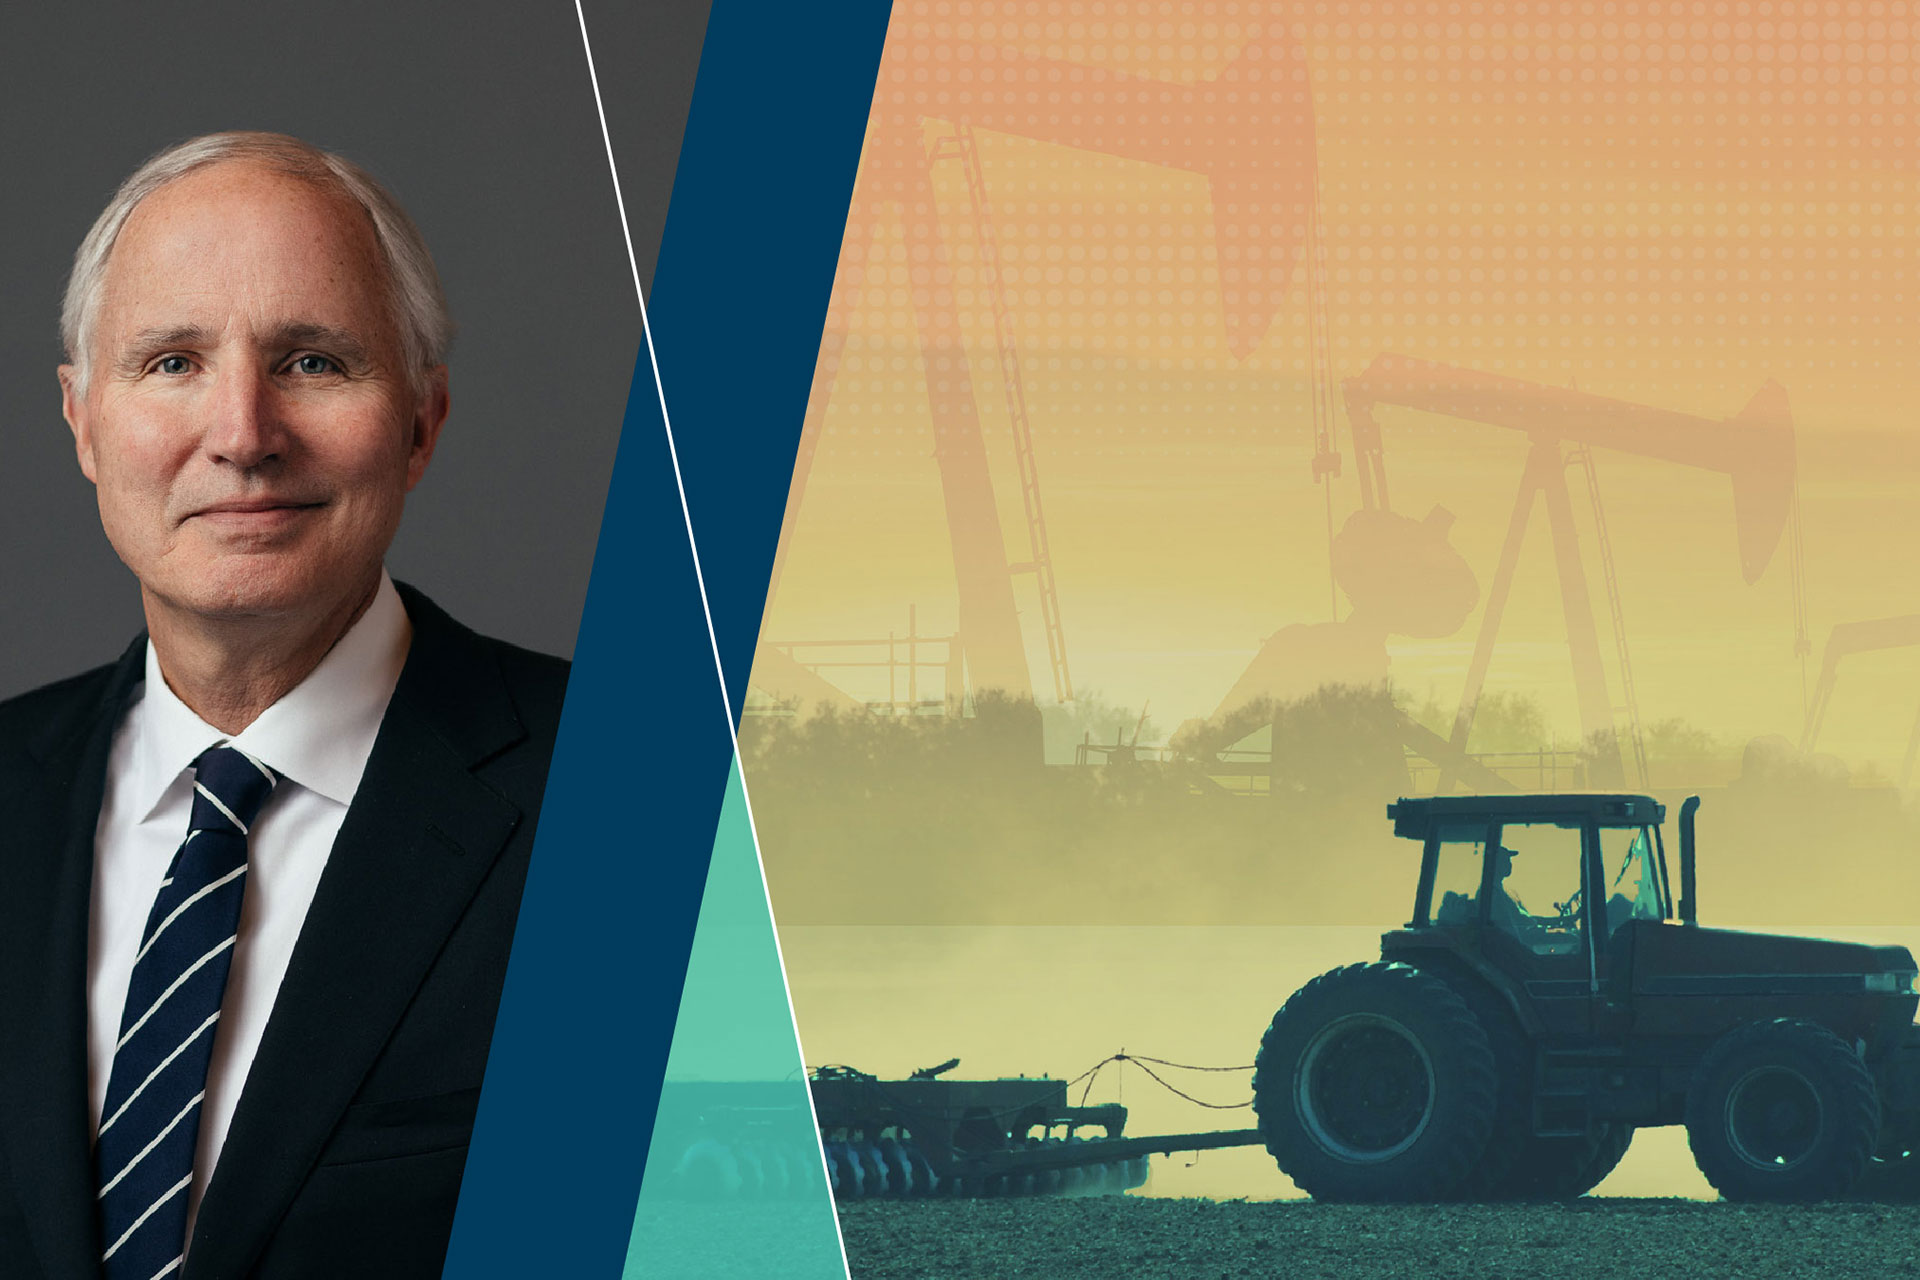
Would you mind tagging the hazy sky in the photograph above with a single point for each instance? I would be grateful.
(1669, 204)
(1639, 199)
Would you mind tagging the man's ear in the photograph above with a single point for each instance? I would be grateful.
(73, 407)
(429, 415)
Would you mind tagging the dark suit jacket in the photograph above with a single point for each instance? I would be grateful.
(346, 1148)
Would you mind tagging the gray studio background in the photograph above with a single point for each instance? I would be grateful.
(481, 118)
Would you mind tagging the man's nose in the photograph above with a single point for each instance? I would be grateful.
(245, 429)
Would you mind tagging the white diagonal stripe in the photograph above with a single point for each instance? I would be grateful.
(158, 1138)
(273, 779)
(191, 899)
(164, 1063)
(165, 1196)
(191, 970)
(693, 544)
(171, 1266)
(221, 806)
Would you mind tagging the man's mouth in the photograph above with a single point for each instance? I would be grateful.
(256, 513)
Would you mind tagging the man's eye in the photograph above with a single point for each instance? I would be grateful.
(311, 365)
(172, 364)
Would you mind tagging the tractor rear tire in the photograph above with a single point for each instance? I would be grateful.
(1891, 1179)
(1512, 1133)
(1517, 1165)
(1565, 1168)
(1782, 1111)
(1608, 1152)
(1375, 1082)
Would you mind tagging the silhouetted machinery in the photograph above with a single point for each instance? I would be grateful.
(1552, 992)
(1253, 157)
(1549, 996)
(1404, 577)
(931, 1136)
(1754, 449)
(923, 1136)
(1847, 639)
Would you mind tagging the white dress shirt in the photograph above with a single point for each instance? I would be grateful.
(317, 738)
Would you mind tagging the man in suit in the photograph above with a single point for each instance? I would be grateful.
(261, 873)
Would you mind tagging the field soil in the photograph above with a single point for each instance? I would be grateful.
(1125, 1238)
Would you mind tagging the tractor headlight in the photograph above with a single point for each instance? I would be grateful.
(1894, 984)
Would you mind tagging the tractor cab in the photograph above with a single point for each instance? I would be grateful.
(1540, 888)
(1564, 903)
(1531, 865)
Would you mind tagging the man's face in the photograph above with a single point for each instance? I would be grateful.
(249, 421)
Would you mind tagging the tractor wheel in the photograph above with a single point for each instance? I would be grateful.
(1375, 1082)
(1518, 1165)
(1565, 1168)
(1608, 1152)
(1511, 1135)
(1891, 1179)
(1782, 1110)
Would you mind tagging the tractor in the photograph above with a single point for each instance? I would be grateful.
(1549, 995)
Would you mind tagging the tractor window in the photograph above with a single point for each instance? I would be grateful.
(1633, 879)
(1456, 878)
(1537, 898)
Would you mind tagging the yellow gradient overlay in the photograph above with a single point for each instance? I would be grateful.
(1671, 206)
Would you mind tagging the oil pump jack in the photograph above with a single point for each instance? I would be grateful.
(1754, 448)
(1403, 577)
(1249, 130)
(1846, 639)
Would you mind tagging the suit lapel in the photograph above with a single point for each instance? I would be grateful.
(51, 815)
(419, 838)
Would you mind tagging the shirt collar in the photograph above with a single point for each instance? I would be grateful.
(319, 734)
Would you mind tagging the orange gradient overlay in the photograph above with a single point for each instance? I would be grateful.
(1181, 354)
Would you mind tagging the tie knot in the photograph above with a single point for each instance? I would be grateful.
(229, 786)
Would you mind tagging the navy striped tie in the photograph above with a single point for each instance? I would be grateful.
(150, 1123)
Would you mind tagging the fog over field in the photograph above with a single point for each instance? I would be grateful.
(1056, 1000)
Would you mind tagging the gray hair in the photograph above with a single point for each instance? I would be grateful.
(413, 286)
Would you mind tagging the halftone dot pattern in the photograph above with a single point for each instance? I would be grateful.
(1667, 198)
(1691, 222)
(1670, 204)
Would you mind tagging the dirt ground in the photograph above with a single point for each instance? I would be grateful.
(1124, 1238)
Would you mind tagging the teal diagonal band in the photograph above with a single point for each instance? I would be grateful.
(734, 1185)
